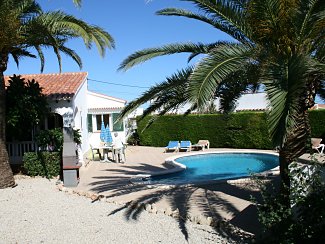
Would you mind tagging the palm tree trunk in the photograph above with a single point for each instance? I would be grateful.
(296, 141)
(293, 147)
(6, 175)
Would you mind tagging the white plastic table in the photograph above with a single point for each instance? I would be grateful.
(106, 150)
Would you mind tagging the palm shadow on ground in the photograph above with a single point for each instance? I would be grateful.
(213, 200)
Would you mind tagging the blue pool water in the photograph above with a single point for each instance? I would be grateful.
(218, 166)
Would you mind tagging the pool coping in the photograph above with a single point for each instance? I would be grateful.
(177, 167)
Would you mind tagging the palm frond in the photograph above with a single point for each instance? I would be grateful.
(229, 13)
(41, 56)
(77, 3)
(64, 25)
(54, 29)
(149, 53)
(171, 91)
(285, 88)
(229, 92)
(18, 53)
(58, 56)
(216, 67)
(215, 22)
(237, 83)
(310, 20)
(72, 54)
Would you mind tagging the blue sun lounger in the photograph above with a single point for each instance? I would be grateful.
(172, 146)
(185, 145)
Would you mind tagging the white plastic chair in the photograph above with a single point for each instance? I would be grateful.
(95, 150)
(316, 145)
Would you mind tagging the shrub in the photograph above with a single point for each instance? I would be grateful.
(46, 164)
(304, 220)
(236, 130)
(241, 130)
(50, 140)
(317, 118)
(134, 138)
(26, 106)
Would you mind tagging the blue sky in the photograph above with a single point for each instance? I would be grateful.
(134, 26)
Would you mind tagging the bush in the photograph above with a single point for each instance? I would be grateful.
(304, 221)
(241, 130)
(46, 164)
(134, 139)
(50, 140)
(237, 130)
(317, 118)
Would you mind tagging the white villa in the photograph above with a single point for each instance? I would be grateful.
(252, 102)
(247, 102)
(73, 105)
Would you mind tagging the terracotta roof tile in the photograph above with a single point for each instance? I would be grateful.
(57, 86)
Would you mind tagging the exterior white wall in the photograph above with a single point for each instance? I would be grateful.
(80, 115)
(65, 109)
(99, 101)
(252, 101)
(99, 104)
(74, 113)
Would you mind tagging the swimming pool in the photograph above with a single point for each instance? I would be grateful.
(216, 166)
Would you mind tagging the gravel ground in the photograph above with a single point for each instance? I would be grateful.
(37, 212)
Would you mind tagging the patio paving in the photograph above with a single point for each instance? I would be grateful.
(218, 202)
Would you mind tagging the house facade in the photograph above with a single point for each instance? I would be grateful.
(72, 105)
(252, 102)
(104, 108)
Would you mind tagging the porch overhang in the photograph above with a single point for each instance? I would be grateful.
(104, 110)
(60, 96)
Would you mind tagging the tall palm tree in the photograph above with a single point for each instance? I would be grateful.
(24, 27)
(278, 43)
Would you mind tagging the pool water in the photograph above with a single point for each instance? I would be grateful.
(217, 166)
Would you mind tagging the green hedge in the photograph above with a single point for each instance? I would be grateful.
(46, 164)
(237, 130)
(317, 120)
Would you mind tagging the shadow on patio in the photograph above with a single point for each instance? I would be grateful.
(226, 206)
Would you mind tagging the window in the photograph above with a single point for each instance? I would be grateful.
(119, 125)
(99, 118)
(90, 122)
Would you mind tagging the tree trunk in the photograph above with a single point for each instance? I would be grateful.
(293, 147)
(6, 175)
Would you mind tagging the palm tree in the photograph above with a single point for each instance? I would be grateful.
(24, 27)
(278, 43)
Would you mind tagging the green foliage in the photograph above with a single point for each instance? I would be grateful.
(276, 43)
(77, 136)
(50, 140)
(134, 139)
(26, 106)
(237, 130)
(26, 27)
(304, 221)
(317, 118)
(241, 130)
(46, 164)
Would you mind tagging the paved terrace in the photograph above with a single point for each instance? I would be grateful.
(213, 204)
(216, 203)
